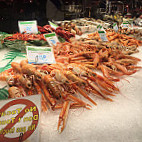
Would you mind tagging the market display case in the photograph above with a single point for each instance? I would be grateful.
(77, 79)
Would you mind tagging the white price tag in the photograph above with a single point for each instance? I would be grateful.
(99, 28)
(28, 27)
(131, 23)
(20, 119)
(125, 25)
(51, 38)
(102, 35)
(40, 55)
(54, 26)
(115, 27)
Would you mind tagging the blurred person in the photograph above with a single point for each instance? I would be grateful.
(53, 10)
(94, 10)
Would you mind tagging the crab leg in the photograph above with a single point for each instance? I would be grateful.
(106, 73)
(47, 94)
(72, 106)
(124, 69)
(83, 93)
(105, 85)
(73, 98)
(43, 99)
(63, 116)
(97, 89)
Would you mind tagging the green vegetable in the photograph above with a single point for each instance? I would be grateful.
(38, 42)
(16, 44)
(21, 45)
(61, 39)
(3, 35)
(3, 93)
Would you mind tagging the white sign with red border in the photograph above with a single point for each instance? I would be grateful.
(20, 119)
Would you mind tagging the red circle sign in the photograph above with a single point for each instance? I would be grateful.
(28, 104)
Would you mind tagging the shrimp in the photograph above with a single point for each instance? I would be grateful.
(24, 81)
(59, 76)
(16, 67)
(74, 78)
(14, 92)
(76, 69)
(52, 85)
(31, 70)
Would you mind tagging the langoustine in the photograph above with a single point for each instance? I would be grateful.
(75, 74)
(57, 84)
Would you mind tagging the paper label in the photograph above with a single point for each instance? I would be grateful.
(125, 25)
(99, 28)
(115, 27)
(131, 23)
(51, 38)
(20, 119)
(102, 35)
(54, 26)
(40, 55)
(28, 27)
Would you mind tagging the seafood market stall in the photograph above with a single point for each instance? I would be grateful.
(120, 120)
(89, 83)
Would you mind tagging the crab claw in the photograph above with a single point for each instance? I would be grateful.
(63, 116)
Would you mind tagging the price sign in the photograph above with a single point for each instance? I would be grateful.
(28, 26)
(54, 26)
(40, 55)
(131, 22)
(115, 27)
(125, 25)
(102, 35)
(19, 119)
(51, 38)
(99, 28)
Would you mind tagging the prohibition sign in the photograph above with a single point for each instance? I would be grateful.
(28, 104)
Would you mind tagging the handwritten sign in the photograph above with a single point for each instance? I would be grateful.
(28, 26)
(40, 55)
(19, 119)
